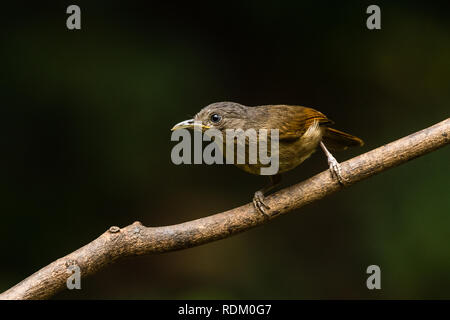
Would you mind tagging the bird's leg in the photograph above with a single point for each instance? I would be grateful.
(258, 198)
(335, 167)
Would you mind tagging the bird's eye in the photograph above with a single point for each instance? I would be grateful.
(215, 118)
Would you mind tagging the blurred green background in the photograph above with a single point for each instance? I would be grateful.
(85, 139)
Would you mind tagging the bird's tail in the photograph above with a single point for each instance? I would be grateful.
(337, 140)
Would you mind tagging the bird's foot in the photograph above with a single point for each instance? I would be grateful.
(335, 169)
(258, 202)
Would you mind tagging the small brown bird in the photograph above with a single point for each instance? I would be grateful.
(301, 131)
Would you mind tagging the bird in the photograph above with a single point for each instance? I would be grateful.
(301, 130)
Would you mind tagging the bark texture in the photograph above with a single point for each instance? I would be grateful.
(137, 239)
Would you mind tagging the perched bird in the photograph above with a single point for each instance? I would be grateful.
(301, 131)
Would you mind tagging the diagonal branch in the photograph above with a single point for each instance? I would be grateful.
(137, 239)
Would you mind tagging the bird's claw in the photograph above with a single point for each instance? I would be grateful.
(336, 171)
(258, 202)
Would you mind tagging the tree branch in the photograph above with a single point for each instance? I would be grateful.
(137, 239)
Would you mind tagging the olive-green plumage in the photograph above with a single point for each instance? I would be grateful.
(300, 130)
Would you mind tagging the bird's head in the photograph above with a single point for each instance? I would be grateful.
(219, 115)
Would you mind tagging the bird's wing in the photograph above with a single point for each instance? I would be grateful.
(293, 121)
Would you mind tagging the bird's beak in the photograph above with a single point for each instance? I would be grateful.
(189, 124)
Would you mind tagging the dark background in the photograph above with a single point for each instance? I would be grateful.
(85, 143)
